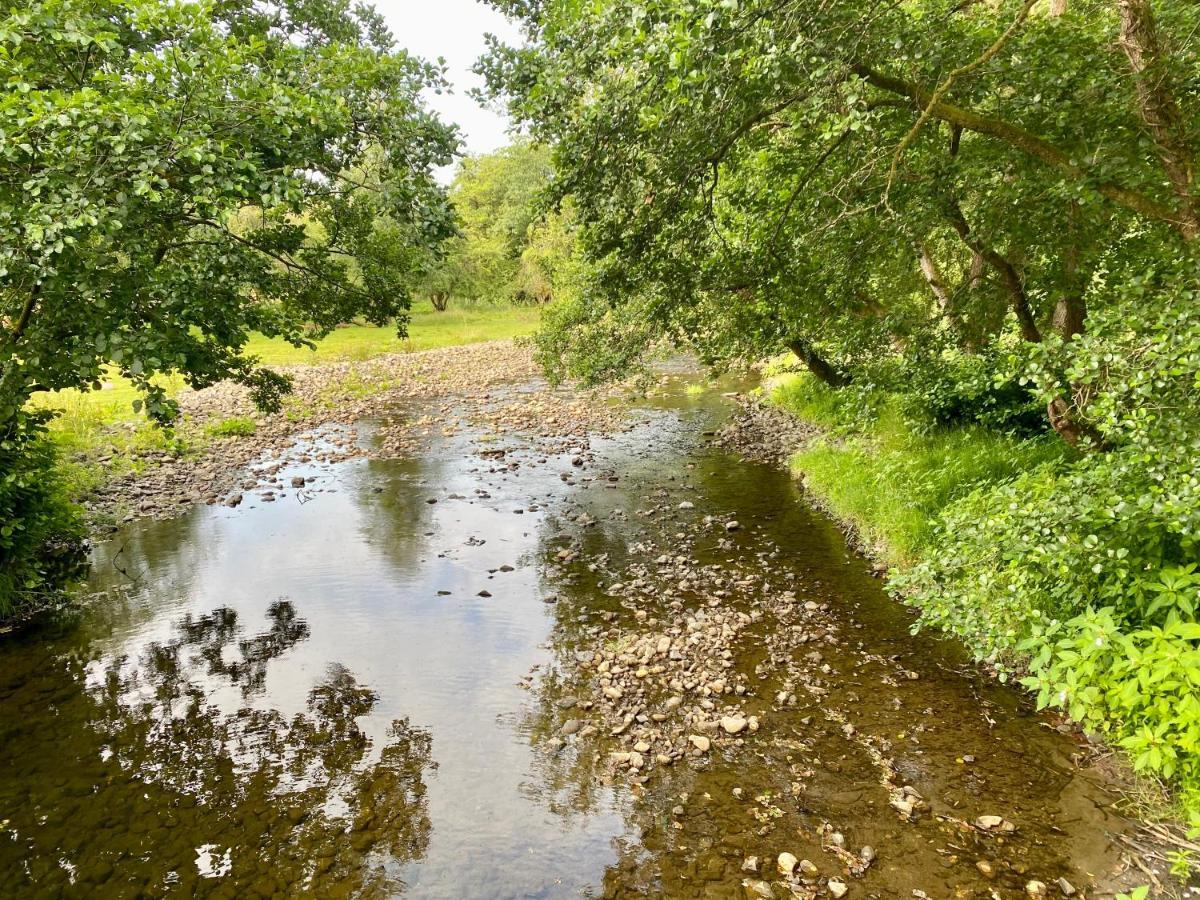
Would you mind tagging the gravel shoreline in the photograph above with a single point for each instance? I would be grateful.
(410, 396)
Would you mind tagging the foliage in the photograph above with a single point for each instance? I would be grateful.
(176, 176)
(753, 176)
(40, 531)
(508, 250)
(892, 478)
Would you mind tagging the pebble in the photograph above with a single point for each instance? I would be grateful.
(994, 823)
(700, 742)
(837, 888)
(787, 864)
(733, 724)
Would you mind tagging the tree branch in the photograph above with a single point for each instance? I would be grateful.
(948, 82)
(1022, 140)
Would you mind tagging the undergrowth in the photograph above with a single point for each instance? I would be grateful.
(1074, 573)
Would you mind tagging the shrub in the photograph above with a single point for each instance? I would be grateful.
(1141, 687)
(40, 532)
(944, 386)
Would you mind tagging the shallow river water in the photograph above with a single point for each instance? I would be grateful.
(363, 689)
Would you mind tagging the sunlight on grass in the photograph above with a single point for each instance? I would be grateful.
(891, 482)
(428, 330)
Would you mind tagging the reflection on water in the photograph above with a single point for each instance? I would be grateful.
(145, 779)
(333, 698)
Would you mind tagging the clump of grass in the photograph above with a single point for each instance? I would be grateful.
(234, 426)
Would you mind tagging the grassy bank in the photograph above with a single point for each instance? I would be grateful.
(888, 480)
(1057, 568)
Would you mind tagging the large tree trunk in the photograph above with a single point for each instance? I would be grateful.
(1159, 110)
(817, 364)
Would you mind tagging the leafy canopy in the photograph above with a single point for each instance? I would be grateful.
(174, 176)
(496, 200)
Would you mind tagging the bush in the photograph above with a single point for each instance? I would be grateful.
(1140, 687)
(944, 387)
(40, 532)
(1084, 572)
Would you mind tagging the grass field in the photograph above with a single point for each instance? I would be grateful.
(428, 330)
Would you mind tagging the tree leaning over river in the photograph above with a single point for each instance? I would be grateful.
(177, 176)
(853, 183)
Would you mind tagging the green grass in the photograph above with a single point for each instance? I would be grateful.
(428, 330)
(890, 482)
(235, 426)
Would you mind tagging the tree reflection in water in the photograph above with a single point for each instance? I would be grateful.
(145, 785)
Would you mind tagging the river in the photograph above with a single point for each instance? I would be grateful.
(498, 668)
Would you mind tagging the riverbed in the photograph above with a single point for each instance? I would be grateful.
(509, 663)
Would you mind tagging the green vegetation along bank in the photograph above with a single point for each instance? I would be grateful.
(1055, 567)
(977, 227)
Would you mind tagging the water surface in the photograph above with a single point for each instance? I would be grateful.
(354, 690)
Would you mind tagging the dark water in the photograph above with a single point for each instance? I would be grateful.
(309, 697)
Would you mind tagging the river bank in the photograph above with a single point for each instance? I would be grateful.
(520, 642)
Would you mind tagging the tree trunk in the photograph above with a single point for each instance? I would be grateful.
(1009, 276)
(933, 277)
(439, 301)
(1156, 103)
(817, 364)
(1069, 315)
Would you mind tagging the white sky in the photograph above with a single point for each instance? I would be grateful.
(454, 30)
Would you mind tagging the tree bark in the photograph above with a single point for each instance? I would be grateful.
(27, 309)
(817, 364)
(933, 277)
(1156, 103)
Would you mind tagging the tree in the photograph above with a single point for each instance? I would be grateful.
(495, 198)
(856, 183)
(176, 176)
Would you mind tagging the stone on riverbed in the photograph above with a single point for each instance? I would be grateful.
(733, 724)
